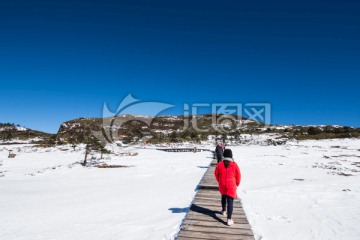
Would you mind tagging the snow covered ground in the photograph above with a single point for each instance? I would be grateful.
(44, 195)
(301, 190)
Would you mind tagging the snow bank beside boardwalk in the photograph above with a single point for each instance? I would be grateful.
(301, 190)
(41, 197)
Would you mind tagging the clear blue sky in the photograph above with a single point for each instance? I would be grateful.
(61, 60)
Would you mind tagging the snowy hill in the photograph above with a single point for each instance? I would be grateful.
(11, 133)
(199, 128)
(132, 127)
(174, 129)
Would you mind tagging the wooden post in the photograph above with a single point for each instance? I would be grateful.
(86, 154)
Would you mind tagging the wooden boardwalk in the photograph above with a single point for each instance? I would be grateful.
(204, 220)
(182, 149)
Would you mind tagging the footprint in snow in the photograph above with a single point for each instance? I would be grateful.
(275, 218)
(278, 219)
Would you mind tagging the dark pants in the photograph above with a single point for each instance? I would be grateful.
(219, 153)
(230, 205)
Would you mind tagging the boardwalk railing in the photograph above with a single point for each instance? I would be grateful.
(204, 220)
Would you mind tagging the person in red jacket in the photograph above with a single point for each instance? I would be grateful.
(227, 173)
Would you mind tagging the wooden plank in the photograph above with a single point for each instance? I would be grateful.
(216, 203)
(229, 230)
(182, 149)
(219, 219)
(212, 198)
(213, 236)
(216, 217)
(208, 192)
(215, 195)
(206, 186)
(216, 208)
(211, 186)
(209, 175)
(210, 179)
(188, 238)
(215, 224)
(210, 171)
(208, 182)
(215, 200)
(217, 214)
(200, 191)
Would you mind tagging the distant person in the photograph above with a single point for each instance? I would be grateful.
(227, 173)
(219, 150)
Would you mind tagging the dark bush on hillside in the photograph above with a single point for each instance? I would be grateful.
(314, 131)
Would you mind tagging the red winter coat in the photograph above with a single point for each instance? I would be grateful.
(228, 178)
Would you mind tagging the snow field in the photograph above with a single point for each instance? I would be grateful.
(146, 201)
(286, 195)
(300, 190)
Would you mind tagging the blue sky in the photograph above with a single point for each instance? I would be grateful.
(61, 60)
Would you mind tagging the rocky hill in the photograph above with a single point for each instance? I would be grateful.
(164, 128)
(9, 132)
(129, 128)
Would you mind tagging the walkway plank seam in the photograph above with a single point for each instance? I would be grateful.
(204, 221)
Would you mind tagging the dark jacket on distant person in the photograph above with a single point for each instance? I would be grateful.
(219, 150)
